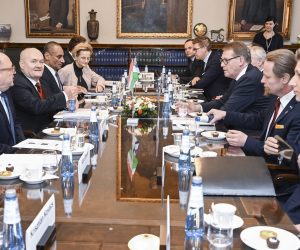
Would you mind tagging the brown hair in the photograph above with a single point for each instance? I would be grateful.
(82, 47)
(284, 62)
(74, 41)
(239, 49)
(203, 41)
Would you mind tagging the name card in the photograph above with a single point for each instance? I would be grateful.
(45, 218)
(82, 163)
(132, 121)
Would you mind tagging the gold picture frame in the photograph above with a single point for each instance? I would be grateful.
(64, 23)
(241, 29)
(154, 19)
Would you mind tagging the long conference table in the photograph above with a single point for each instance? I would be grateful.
(119, 203)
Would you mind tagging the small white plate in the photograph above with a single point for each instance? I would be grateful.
(237, 221)
(251, 237)
(208, 135)
(174, 150)
(30, 181)
(117, 110)
(206, 154)
(15, 174)
(50, 132)
(79, 151)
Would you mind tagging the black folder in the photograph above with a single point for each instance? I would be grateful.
(236, 176)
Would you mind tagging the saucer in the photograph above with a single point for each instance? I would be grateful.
(251, 237)
(237, 221)
(27, 180)
(208, 135)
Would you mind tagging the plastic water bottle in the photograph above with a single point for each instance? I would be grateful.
(12, 228)
(184, 162)
(146, 68)
(166, 115)
(67, 185)
(67, 167)
(114, 96)
(194, 224)
(170, 90)
(72, 105)
(94, 135)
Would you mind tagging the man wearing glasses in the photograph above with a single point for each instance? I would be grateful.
(245, 93)
(212, 80)
(194, 67)
(11, 131)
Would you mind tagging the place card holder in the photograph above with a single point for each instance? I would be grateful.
(87, 174)
(47, 239)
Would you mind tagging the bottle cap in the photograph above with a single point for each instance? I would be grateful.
(197, 179)
(66, 136)
(10, 193)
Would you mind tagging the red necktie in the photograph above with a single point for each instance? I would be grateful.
(276, 108)
(40, 90)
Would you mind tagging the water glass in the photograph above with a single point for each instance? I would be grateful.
(50, 163)
(183, 109)
(79, 140)
(220, 231)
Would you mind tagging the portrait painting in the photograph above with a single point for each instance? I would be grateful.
(247, 17)
(52, 18)
(154, 18)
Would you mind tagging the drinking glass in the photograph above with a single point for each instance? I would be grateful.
(79, 138)
(220, 231)
(183, 109)
(50, 161)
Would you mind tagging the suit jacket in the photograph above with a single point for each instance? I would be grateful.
(287, 126)
(49, 79)
(32, 112)
(193, 69)
(245, 95)
(6, 138)
(68, 57)
(68, 77)
(213, 81)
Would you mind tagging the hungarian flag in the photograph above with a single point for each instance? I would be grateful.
(133, 75)
(132, 160)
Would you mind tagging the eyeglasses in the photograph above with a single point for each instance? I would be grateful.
(226, 61)
(12, 68)
(196, 49)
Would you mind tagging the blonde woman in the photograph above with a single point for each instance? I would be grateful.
(79, 73)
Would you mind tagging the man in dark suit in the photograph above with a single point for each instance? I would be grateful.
(282, 119)
(245, 93)
(212, 80)
(54, 59)
(11, 131)
(194, 67)
(34, 101)
(58, 11)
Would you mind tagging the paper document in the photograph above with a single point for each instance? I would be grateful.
(40, 144)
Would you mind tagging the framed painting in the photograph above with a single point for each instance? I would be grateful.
(52, 18)
(246, 17)
(154, 18)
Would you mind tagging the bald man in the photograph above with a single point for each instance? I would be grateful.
(11, 132)
(34, 102)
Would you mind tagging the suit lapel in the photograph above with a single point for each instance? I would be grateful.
(28, 82)
(286, 110)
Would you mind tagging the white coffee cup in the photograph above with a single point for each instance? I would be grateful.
(145, 242)
(223, 214)
(34, 172)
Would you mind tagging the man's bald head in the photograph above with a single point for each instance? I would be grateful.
(32, 63)
(7, 71)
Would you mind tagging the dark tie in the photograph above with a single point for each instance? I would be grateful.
(276, 108)
(40, 90)
(11, 119)
(59, 81)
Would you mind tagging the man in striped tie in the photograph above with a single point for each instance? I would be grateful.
(11, 131)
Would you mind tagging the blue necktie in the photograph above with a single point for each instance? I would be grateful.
(11, 119)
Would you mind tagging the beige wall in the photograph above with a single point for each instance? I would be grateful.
(214, 13)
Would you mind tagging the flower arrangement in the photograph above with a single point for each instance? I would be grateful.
(141, 107)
